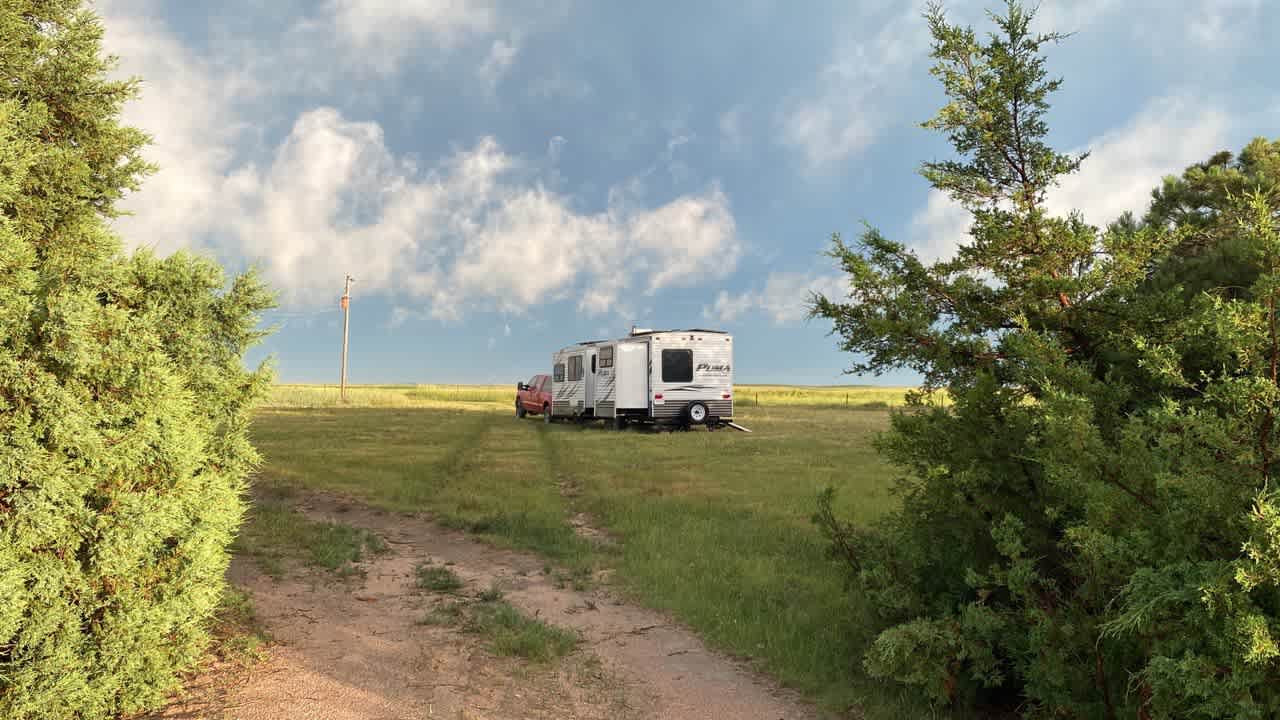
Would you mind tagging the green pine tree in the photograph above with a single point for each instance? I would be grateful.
(124, 405)
(1090, 527)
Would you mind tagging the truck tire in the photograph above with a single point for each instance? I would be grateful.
(520, 411)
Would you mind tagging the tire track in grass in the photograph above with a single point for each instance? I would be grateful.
(423, 491)
(496, 486)
(456, 460)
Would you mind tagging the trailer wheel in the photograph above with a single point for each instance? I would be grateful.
(520, 411)
(619, 423)
(546, 414)
(697, 413)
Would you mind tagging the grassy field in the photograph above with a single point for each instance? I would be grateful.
(712, 527)
(475, 396)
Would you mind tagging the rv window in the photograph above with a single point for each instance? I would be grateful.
(606, 357)
(559, 371)
(677, 366)
(575, 368)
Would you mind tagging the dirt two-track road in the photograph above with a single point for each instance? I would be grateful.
(357, 651)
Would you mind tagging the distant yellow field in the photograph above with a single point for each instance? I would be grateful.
(854, 396)
(389, 396)
(484, 396)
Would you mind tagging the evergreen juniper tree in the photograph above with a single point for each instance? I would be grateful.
(1089, 528)
(123, 401)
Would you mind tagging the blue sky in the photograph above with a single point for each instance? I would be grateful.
(504, 178)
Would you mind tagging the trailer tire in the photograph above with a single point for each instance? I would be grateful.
(619, 423)
(696, 413)
(546, 414)
(520, 411)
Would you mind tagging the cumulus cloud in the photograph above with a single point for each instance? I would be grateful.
(1124, 165)
(466, 234)
(843, 116)
(783, 299)
(476, 230)
(187, 105)
(384, 31)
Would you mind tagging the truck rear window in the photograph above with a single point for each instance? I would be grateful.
(677, 366)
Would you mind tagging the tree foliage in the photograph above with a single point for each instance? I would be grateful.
(123, 400)
(1090, 528)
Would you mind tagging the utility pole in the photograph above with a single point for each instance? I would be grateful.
(346, 323)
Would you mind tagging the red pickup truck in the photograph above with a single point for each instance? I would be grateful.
(534, 397)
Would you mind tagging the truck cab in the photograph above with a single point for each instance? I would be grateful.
(533, 396)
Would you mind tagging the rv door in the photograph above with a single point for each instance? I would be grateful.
(589, 387)
(631, 375)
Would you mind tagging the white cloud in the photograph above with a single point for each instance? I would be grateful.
(844, 115)
(476, 230)
(728, 308)
(1124, 166)
(1217, 24)
(501, 55)
(466, 234)
(357, 47)
(676, 168)
(1166, 137)
(1069, 16)
(783, 299)
(382, 31)
(938, 230)
(186, 107)
(334, 200)
(688, 240)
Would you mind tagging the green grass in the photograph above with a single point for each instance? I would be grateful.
(238, 636)
(513, 634)
(479, 471)
(437, 578)
(447, 614)
(480, 397)
(507, 631)
(712, 527)
(275, 534)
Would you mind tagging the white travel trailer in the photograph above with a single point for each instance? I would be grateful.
(574, 372)
(669, 377)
